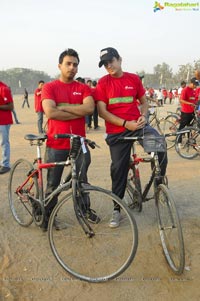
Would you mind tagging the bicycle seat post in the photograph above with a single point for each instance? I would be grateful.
(39, 155)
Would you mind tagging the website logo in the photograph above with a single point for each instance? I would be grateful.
(157, 6)
(179, 6)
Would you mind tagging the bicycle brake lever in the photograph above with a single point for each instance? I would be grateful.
(93, 144)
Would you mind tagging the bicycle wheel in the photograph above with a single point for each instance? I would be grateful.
(174, 118)
(170, 230)
(187, 145)
(103, 256)
(133, 194)
(19, 202)
(167, 127)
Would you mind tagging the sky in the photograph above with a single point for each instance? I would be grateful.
(35, 32)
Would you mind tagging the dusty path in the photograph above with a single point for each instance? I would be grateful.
(28, 270)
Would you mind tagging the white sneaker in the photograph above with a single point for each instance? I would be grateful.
(114, 222)
(180, 145)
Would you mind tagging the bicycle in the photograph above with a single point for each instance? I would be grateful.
(187, 143)
(168, 219)
(89, 252)
(164, 126)
(189, 148)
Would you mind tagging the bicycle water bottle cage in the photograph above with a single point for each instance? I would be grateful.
(75, 146)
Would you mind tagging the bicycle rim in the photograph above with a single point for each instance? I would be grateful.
(168, 127)
(105, 255)
(190, 145)
(133, 197)
(20, 205)
(170, 230)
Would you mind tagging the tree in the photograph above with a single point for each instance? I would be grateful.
(163, 74)
(19, 78)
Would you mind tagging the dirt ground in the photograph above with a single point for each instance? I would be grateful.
(29, 271)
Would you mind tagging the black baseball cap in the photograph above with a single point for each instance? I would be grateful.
(194, 81)
(107, 54)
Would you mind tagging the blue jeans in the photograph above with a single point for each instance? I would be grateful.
(40, 121)
(5, 145)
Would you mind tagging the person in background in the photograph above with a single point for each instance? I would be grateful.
(160, 98)
(176, 97)
(25, 99)
(197, 92)
(164, 92)
(183, 85)
(170, 96)
(117, 95)
(82, 80)
(95, 114)
(6, 107)
(66, 102)
(14, 112)
(89, 117)
(188, 103)
(38, 106)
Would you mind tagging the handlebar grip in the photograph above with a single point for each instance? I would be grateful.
(92, 144)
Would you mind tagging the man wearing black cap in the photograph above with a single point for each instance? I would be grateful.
(118, 95)
(188, 103)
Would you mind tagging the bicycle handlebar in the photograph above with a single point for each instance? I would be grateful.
(137, 138)
(91, 143)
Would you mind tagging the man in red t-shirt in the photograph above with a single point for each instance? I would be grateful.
(117, 96)
(197, 91)
(164, 92)
(188, 103)
(66, 102)
(6, 107)
(38, 106)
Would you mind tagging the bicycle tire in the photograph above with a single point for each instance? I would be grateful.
(170, 230)
(167, 127)
(133, 194)
(105, 255)
(190, 143)
(174, 118)
(21, 206)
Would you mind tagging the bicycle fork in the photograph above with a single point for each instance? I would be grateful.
(78, 201)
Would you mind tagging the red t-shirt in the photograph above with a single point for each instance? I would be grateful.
(170, 95)
(197, 93)
(38, 103)
(5, 98)
(187, 94)
(65, 94)
(120, 96)
(164, 92)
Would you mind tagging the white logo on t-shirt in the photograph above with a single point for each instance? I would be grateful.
(77, 93)
(128, 88)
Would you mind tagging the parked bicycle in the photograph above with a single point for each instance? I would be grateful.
(168, 219)
(187, 142)
(90, 252)
(163, 125)
(189, 148)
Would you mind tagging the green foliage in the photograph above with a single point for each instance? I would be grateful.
(19, 78)
(163, 75)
